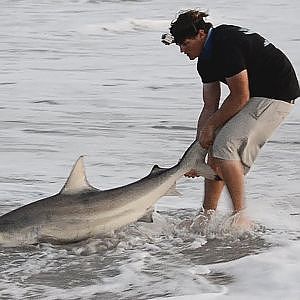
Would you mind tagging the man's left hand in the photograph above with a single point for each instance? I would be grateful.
(192, 173)
(207, 136)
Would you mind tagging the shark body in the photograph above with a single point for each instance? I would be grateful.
(80, 211)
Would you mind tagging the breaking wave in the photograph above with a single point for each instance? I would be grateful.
(127, 25)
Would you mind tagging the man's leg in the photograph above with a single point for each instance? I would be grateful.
(212, 188)
(232, 173)
(212, 193)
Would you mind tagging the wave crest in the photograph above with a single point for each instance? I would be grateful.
(127, 25)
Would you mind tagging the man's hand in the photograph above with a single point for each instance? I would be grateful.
(192, 173)
(207, 136)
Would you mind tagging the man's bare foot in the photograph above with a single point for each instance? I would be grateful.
(241, 222)
(202, 220)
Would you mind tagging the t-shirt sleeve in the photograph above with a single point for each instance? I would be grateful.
(231, 58)
(206, 72)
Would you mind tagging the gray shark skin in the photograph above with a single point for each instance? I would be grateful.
(80, 211)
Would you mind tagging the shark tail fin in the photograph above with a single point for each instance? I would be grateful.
(194, 158)
(77, 181)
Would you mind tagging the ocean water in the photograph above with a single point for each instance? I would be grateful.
(92, 78)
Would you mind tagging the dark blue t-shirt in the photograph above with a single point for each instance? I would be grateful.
(231, 49)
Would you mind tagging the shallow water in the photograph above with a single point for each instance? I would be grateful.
(92, 78)
(130, 264)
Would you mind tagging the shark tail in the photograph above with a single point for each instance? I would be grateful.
(194, 158)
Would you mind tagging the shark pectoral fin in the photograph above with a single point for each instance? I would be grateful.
(147, 218)
(77, 181)
(173, 191)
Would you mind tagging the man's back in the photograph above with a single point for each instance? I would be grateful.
(231, 49)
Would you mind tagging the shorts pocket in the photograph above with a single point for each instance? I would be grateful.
(260, 108)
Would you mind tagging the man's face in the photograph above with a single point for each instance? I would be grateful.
(193, 47)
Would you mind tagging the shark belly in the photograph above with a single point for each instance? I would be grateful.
(130, 212)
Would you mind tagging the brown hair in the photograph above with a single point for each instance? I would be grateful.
(187, 25)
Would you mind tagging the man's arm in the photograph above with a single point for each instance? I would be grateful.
(211, 98)
(238, 97)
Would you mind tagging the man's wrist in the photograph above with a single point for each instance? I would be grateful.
(211, 124)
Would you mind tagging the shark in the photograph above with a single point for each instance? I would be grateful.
(80, 211)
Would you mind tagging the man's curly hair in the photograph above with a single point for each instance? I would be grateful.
(187, 25)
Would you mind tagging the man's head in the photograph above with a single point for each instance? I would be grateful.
(189, 31)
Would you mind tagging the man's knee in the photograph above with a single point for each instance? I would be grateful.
(221, 165)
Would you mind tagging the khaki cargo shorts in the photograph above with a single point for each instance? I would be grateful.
(242, 136)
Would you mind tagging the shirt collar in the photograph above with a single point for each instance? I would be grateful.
(206, 52)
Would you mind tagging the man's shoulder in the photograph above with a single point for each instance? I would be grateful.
(226, 32)
(228, 28)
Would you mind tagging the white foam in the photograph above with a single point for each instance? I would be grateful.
(127, 25)
(263, 276)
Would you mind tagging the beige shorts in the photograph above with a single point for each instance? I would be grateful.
(242, 136)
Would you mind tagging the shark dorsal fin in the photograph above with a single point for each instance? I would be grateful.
(156, 170)
(77, 181)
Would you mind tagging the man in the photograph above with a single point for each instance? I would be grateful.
(262, 90)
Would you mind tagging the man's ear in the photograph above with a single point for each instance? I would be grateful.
(201, 33)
